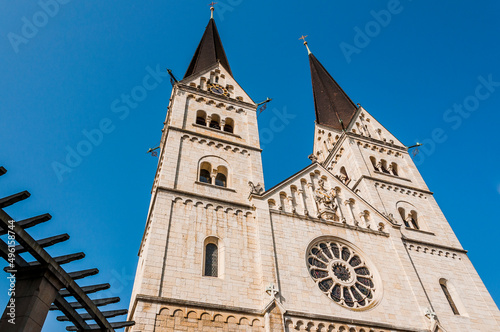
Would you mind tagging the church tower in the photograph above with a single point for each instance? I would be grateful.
(354, 242)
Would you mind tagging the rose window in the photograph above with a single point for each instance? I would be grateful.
(342, 274)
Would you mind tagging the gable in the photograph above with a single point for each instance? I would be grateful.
(220, 75)
(315, 193)
(365, 124)
(325, 139)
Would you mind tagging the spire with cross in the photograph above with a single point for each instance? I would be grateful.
(212, 4)
(305, 43)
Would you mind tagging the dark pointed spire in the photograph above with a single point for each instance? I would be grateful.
(333, 106)
(209, 51)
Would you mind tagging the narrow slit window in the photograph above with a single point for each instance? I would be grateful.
(449, 298)
(211, 260)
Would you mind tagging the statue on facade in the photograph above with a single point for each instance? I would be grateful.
(325, 202)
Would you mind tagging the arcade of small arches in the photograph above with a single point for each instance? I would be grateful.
(383, 166)
(205, 320)
(328, 142)
(312, 196)
(214, 121)
(365, 127)
(408, 214)
(214, 77)
(298, 324)
(221, 105)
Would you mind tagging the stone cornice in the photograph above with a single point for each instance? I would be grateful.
(391, 183)
(197, 304)
(207, 94)
(430, 244)
(261, 312)
(331, 223)
(210, 198)
(193, 133)
(377, 141)
(345, 135)
(328, 318)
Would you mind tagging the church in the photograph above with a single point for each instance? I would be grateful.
(354, 242)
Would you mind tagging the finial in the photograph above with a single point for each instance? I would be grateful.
(305, 43)
(212, 9)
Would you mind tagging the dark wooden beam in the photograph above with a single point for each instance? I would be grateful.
(27, 223)
(53, 265)
(44, 243)
(87, 289)
(107, 314)
(70, 313)
(97, 303)
(83, 274)
(95, 327)
(2, 170)
(13, 199)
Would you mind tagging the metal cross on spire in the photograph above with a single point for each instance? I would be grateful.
(212, 4)
(305, 43)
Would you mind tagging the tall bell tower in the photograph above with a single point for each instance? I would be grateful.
(200, 248)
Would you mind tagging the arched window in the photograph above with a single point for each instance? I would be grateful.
(205, 172)
(211, 260)
(403, 216)
(221, 178)
(229, 125)
(384, 167)
(446, 292)
(374, 163)
(201, 118)
(214, 122)
(394, 169)
(413, 219)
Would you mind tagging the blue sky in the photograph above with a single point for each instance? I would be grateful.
(413, 70)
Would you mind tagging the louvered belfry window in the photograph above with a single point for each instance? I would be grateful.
(211, 260)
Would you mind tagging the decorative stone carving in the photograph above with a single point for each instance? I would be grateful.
(313, 157)
(325, 201)
(256, 189)
(272, 290)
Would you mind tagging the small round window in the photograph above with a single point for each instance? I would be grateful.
(342, 274)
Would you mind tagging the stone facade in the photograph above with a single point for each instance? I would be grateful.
(361, 194)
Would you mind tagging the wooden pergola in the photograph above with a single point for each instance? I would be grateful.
(43, 285)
